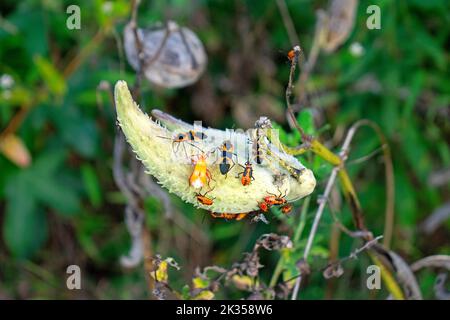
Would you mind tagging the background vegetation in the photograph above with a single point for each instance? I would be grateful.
(59, 204)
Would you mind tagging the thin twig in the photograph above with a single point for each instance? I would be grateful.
(160, 48)
(334, 243)
(297, 234)
(309, 63)
(389, 173)
(289, 90)
(84, 53)
(437, 217)
(437, 261)
(312, 234)
(139, 48)
(366, 157)
(323, 199)
(288, 24)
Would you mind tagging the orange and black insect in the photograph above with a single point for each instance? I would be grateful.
(291, 55)
(274, 199)
(189, 136)
(247, 174)
(258, 153)
(203, 199)
(226, 159)
(286, 209)
(264, 206)
(229, 216)
(200, 175)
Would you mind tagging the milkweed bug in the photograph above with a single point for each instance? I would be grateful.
(200, 175)
(226, 162)
(274, 199)
(189, 136)
(229, 216)
(264, 206)
(291, 55)
(294, 53)
(286, 209)
(247, 174)
(203, 199)
(257, 150)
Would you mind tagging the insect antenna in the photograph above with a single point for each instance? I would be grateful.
(168, 138)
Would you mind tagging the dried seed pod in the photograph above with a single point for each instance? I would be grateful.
(341, 18)
(172, 56)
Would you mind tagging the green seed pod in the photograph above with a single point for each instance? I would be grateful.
(171, 164)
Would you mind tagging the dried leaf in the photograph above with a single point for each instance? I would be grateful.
(171, 261)
(159, 291)
(284, 289)
(204, 295)
(256, 296)
(244, 282)
(200, 283)
(341, 18)
(259, 217)
(402, 271)
(303, 267)
(251, 264)
(161, 273)
(439, 287)
(15, 150)
(436, 261)
(334, 270)
(406, 277)
(273, 241)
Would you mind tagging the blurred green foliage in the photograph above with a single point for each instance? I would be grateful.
(64, 208)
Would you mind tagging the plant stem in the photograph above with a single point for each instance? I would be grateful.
(297, 234)
(313, 231)
(302, 222)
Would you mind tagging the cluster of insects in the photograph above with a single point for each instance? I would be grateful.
(201, 176)
(276, 200)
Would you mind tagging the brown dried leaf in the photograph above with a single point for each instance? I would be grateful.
(341, 18)
(334, 270)
(273, 241)
(15, 150)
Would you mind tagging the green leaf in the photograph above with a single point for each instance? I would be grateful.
(406, 207)
(52, 194)
(290, 258)
(51, 76)
(306, 120)
(25, 225)
(33, 29)
(91, 185)
(47, 164)
(76, 130)
(416, 87)
(319, 251)
(43, 183)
